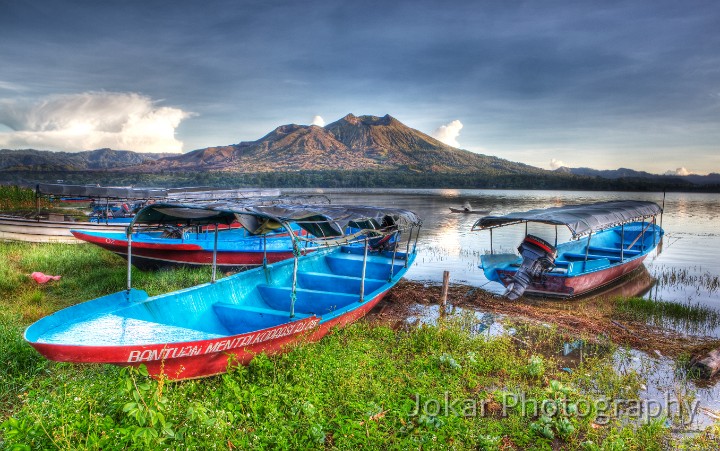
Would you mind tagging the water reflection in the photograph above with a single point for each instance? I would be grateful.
(691, 241)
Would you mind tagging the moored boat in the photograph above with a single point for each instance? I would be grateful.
(608, 241)
(55, 228)
(236, 248)
(199, 331)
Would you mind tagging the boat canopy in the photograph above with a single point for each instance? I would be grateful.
(322, 221)
(580, 219)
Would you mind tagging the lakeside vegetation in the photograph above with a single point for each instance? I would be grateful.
(358, 387)
(489, 179)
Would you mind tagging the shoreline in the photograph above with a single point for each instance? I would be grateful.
(590, 317)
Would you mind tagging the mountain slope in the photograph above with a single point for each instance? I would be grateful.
(625, 173)
(350, 143)
(40, 160)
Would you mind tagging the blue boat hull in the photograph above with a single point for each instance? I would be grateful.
(574, 274)
(201, 330)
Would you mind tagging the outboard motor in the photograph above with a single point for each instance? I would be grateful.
(538, 257)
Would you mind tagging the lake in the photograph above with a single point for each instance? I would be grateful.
(686, 267)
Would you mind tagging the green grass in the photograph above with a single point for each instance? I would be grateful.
(356, 388)
(13, 197)
(690, 318)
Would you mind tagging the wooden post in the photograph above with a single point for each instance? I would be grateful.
(445, 284)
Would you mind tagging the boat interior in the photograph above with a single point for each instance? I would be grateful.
(606, 248)
(328, 285)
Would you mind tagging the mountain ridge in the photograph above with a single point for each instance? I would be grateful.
(350, 143)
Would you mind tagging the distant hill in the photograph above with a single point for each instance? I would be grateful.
(625, 173)
(44, 160)
(354, 151)
(348, 144)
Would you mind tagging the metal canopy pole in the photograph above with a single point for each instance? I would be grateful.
(642, 237)
(622, 242)
(407, 249)
(293, 295)
(416, 239)
(491, 243)
(362, 276)
(264, 251)
(129, 261)
(556, 235)
(587, 250)
(654, 234)
(107, 210)
(392, 263)
(663, 209)
(214, 261)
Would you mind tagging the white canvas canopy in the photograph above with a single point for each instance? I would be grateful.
(580, 219)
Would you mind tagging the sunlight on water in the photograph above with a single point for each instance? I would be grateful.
(686, 266)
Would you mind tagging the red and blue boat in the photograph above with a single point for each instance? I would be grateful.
(195, 246)
(202, 330)
(608, 241)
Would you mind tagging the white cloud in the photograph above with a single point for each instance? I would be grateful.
(556, 164)
(679, 171)
(448, 133)
(319, 121)
(91, 120)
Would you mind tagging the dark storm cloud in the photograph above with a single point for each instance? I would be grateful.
(520, 75)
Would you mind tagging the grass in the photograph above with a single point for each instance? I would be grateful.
(358, 387)
(690, 318)
(14, 198)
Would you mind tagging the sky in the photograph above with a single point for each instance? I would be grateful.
(602, 84)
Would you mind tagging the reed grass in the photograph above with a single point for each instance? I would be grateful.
(687, 317)
(689, 277)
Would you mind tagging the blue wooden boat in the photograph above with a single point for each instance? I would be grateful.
(177, 246)
(608, 241)
(199, 331)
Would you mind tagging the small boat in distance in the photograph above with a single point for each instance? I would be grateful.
(467, 208)
(609, 240)
(200, 331)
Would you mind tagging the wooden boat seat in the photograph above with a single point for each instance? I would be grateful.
(351, 265)
(306, 301)
(349, 249)
(238, 318)
(579, 256)
(612, 250)
(339, 284)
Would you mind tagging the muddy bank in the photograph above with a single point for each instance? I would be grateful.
(591, 318)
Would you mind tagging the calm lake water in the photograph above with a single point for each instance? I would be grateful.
(686, 268)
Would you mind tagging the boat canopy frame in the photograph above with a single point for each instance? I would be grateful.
(326, 225)
(581, 220)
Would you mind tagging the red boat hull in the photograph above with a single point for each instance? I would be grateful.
(195, 359)
(156, 255)
(564, 286)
